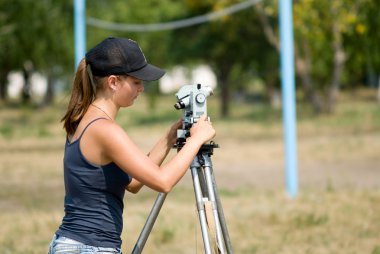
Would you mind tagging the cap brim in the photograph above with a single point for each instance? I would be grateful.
(148, 73)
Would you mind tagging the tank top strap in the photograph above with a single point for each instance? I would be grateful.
(85, 128)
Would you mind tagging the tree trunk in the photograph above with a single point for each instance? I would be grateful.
(303, 68)
(3, 87)
(225, 96)
(222, 74)
(378, 90)
(338, 62)
(26, 90)
(268, 29)
(49, 95)
(272, 92)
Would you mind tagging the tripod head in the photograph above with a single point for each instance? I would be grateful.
(192, 99)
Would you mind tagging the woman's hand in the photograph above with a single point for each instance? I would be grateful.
(172, 134)
(202, 130)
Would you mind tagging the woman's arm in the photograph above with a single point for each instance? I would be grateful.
(165, 144)
(118, 147)
(158, 153)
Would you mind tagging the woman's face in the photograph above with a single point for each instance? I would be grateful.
(128, 89)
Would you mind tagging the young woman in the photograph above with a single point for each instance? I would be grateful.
(100, 160)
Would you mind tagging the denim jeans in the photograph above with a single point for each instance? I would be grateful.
(64, 245)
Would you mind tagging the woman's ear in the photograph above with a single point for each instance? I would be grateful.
(112, 83)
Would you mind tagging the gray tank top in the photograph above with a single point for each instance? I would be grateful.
(93, 199)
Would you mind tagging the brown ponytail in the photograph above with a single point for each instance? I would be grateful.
(82, 96)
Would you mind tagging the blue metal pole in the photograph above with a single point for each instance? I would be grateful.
(288, 96)
(79, 30)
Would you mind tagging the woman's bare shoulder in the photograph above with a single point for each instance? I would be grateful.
(108, 129)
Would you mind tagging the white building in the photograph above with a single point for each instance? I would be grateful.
(180, 76)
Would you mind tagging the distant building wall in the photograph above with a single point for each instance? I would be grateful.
(16, 84)
(180, 76)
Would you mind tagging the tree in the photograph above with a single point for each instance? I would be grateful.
(321, 29)
(37, 34)
(363, 49)
(231, 45)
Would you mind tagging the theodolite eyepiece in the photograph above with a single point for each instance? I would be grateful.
(179, 105)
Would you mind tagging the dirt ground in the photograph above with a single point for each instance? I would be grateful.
(324, 161)
(332, 162)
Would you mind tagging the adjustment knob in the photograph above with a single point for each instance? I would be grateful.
(200, 98)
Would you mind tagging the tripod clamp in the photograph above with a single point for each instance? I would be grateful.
(205, 148)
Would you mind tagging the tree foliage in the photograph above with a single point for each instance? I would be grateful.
(327, 37)
(38, 33)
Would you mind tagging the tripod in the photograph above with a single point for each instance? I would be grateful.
(215, 235)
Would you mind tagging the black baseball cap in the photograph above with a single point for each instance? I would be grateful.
(121, 56)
